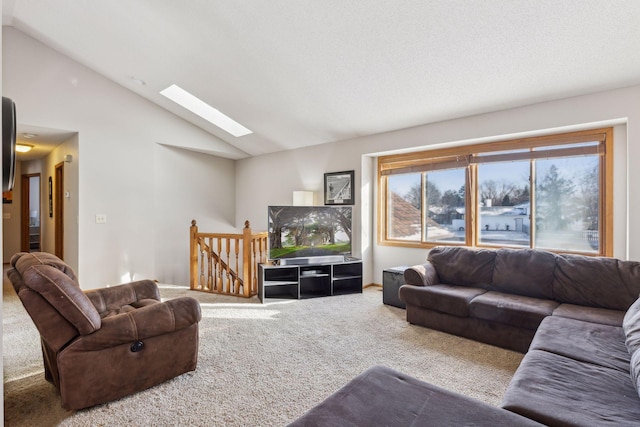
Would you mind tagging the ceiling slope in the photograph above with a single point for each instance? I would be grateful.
(310, 72)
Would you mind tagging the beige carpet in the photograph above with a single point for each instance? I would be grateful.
(261, 364)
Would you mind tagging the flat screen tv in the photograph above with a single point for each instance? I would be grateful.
(309, 231)
(8, 143)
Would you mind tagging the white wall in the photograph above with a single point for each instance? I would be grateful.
(199, 187)
(1, 237)
(11, 219)
(118, 133)
(277, 175)
(271, 179)
(124, 173)
(70, 204)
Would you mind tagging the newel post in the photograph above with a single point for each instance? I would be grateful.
(193, 253)
(247, 260)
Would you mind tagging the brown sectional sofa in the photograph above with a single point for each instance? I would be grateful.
(577, 319)
(501, 296)
(566, 312)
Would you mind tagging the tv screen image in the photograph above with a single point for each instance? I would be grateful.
(309, 231)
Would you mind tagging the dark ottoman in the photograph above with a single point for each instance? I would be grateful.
(383, 397)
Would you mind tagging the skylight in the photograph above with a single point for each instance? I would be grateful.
(204, 110)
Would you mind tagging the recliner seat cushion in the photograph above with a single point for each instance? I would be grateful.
(128, 307)
(516, 310)
(112, 299)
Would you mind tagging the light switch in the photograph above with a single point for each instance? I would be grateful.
(6, 215)
(101, 218)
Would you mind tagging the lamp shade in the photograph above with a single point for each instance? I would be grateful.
(303, 198)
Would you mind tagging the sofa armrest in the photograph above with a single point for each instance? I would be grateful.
(142, 323)
(114, 297)
(421, 275)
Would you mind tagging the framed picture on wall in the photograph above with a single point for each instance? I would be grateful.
(50, 197)
(338, 188)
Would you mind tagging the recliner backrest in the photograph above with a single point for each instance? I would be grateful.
(56, 283)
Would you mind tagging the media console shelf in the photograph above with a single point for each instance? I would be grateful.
(309, 280)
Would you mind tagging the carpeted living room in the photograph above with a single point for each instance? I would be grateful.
(325, 213)
(260, 364)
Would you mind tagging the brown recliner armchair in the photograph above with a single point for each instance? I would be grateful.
(104, 344)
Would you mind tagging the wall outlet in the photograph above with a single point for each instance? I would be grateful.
(101, 218)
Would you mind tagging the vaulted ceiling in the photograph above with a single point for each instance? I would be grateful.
(303, 72)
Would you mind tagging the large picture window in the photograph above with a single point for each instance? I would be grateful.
(552, 192)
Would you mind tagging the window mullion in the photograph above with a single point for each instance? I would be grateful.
(532, 203)
(471, 197)
(424, 208)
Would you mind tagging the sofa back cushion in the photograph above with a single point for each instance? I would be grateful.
(525, 272)
(631, 327)
(463, 266)
(597, 282)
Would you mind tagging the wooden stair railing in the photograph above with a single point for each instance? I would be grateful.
(225, 263)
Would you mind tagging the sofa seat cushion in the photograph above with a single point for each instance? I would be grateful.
(450, 299)
(603, 316)
(595, 343)
(516, 310)
(560, 391)
(383, 397)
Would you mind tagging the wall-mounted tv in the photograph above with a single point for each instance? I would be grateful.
(8, 143)
(309, 231)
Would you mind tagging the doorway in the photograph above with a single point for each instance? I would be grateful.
(30, 229)
(58, 204)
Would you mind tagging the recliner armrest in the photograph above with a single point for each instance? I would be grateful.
(140, 324)
(421, 275)
(114, 297)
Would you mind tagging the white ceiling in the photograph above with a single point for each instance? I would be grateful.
(303, 72)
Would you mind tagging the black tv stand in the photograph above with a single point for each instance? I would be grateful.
(298, 281)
